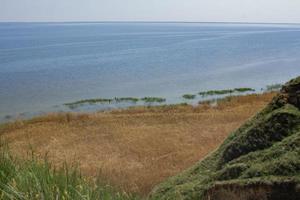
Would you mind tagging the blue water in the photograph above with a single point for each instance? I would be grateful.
(44, 65)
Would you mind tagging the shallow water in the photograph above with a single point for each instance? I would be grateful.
(44, 65)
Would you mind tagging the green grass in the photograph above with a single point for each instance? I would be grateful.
(126, 99)
(77, 104)
(34, 180)
(153, 99)
(87, 101)
(244, 89)
(216, 92)
(264, 152)
(227, 91)
(189, 96)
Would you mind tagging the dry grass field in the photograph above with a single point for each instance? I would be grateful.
(135, 148)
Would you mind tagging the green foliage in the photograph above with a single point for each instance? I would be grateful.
(35, 180)
(244, 89)
(75, 104)
(227, 91)
(153, 99)
(189, 96)
(215, 92)
(128, 99)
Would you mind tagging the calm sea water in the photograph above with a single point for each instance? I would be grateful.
(44, 65)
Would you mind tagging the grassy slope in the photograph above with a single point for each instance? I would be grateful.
(263, 152)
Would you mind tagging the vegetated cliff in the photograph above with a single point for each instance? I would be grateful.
(260, 160)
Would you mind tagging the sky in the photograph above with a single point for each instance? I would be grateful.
(265, 11)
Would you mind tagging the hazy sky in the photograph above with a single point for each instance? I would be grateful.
(151, 10)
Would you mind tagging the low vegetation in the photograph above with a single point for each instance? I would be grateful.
(260, 160)
(227, 91)
(33, 179)
(244, 89)
(126, 99)
(153, 99)
(87, 101)
(77, 104)
(216, 92)
(189, 96)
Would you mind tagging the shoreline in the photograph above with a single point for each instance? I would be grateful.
(108, 104)
(161, 102)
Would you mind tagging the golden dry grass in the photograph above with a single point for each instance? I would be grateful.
(135, 148)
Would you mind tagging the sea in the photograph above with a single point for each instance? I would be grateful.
(45, 65)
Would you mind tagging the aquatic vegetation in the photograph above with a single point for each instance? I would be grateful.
(89, 101)
(216, 92)
(153, 99)
(74, 105)
(227, 91)
(244, 89)
(77, 104)
(189, 96)
(131, 99)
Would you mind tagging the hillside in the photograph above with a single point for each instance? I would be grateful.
(260, 160)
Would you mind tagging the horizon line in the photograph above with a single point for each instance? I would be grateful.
(146, 21)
